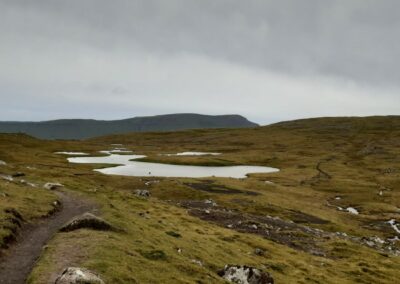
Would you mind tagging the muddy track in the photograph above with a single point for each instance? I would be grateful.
(20, 258)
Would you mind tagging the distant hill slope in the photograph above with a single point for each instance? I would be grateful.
(87, 128)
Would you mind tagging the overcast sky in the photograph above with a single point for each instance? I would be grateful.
(267, 60)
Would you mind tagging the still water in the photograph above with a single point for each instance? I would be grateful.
(127, 166)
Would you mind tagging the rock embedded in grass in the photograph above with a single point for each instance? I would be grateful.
(198, 262)
(142, 193)
(88, 221)
(174, 234)
(259, 252)
(154, 254)
(18, 174)
(245, 275)
(6, 177)
(24, 182)
(352, 210)
(53, 186)
(75, 275)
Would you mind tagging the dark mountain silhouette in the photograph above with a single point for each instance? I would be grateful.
(87, 128)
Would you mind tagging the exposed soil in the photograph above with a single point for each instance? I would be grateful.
(211, 187)
(19, 259)
(289, 233)
(303, 218)
(272, 228)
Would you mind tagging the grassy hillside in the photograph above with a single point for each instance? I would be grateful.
(173, 237)
(86, 128)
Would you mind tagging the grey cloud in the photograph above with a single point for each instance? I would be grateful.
(99, 42)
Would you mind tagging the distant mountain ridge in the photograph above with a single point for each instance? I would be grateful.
(88, 128)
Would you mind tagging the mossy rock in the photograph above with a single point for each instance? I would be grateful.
(88, 221)
(154, 255)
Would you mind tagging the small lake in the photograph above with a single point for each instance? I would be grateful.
(143, 169)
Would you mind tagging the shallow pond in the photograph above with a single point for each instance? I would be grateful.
(136, 168)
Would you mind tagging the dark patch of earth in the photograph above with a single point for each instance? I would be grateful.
(303, 218)
(211, 187)
(284, 232)
(272, 228)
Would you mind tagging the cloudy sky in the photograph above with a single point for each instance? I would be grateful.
(267, 60)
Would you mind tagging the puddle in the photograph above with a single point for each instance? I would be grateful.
(135, 168)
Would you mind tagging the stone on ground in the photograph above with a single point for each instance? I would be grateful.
(88, 221)
(142, 193)
(52, 186)
(245, 275)
(75, 275)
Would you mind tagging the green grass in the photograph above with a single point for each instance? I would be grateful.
(147, 250)
(30, 203)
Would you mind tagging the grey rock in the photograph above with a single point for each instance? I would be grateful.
(88, 221)
(24, 182)
(259, 252)
(6, 177)
(52, 186)
(2, 163)
(142, 193)
(245, 275)
(76, 275)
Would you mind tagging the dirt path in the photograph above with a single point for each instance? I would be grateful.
(20, 258)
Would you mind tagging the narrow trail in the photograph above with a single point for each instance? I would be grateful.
(20, 258)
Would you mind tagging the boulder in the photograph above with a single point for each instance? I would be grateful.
(88, 221)
(6, 177)
(142, 193)
(76, 275)
(52, 186)
(259, 252)
(245, 275)
(24, 182)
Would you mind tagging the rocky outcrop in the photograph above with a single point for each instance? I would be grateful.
(259, 252)
(52, 186)
(245, 275)
(6, 177)
(88, 221)
(142, 193)
(75, 275)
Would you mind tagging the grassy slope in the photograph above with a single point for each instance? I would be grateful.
(355, 152)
